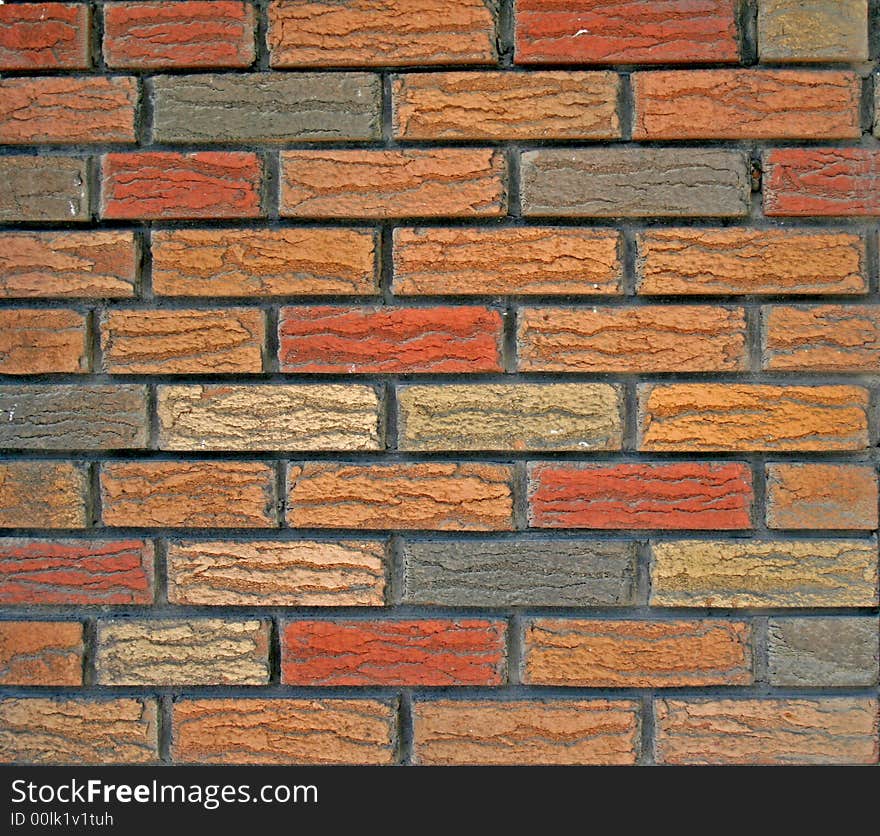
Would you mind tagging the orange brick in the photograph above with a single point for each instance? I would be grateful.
(41, 652)
(42, 494)
(34, 341)
(44, 36)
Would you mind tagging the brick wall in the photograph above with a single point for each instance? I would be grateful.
(439, 381)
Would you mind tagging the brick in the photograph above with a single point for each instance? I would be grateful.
(637, 654)
(93, 417)
(42, 494)
(44, 189)
(522, 260)
(264, 262)
(194, 652)
(38, 341)
(746, 104)
(827, 338)
(530, 573)
(424, 652)
(746, 261)
(215, 494)
(267, 107)
(815, 573)
(176, 341)
(358, 33)
(67, 110)
(265, 573)
(635, 182)
(430, 495)
(86, 572)
(157, 185)
(518, 416)
(188, 34)
(648, 338)
(766, 731)
(821, 496)
(390, 340)
(625, 31)
(284, 731)
(50, 730)
(720, 416)
(41, 653)
(503, 105)
(44, 36)
(822, 181)
(511, 733)
(816, 652)
(68, 265)
(813, 30)
(640, 496)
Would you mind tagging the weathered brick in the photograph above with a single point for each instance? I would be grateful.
(431, 495)
(86, 572)
(522, 260)
(502, 105)
(531, 573)
(625, 31)
(264, 262)
(635, 182)
(813, 30)
(816, 573)
(438, 652)
(44, 36)
(216, 494)
(561, 732)
(43, 189)
(42, 494)
(505, 416)
(156, 185)
(265, 573)
(78, 731)
(195, 652)
(814, 652)
(175, 341)
(284, 731)
(39, 341)
(267, 107)
(357, 33)
(822, 182)
(647, 338)
(745, 261)
(638, 496)
(746, 104)
(389, 340)
(738, 416)
(41, 653)
(766, 731)
(188, 34)
(822, 496)
(637, 654)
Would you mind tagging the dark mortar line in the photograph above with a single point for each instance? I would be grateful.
(760, 652)
(646, 756)
(281, 489)
(759, 502)
(386, 266)
(90, 651)
(642, 580)
(509, 347)
(405, 731)
(520, 496)
(261, 31)
(93, 508)
(747, 25)
(160, 574)
(275, 657)
(272, 345)
(626, 107)
(165, 718)
(515, 648)
(395, 571)
(152, 418)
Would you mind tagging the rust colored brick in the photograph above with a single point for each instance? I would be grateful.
(284, 731)
(416, 182)
(42, 494)
(358, 33)
(41, 653)
(217, 494)
(157, 185)
(813, 30)
(44, 36)
(637, 654)
(34, 341)
(431, 495)
(641, 496)
(188, 34)
(86, 572)
(388, 340)
(436, 652)
(822, 496)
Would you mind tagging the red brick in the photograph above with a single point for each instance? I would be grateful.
(192, 34)
(44, 36)
(379, 340)
(41, 653)
(153, 185)
(438, 652)
(34, 341)
(638, 496)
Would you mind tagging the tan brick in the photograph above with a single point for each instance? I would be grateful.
(36, 341)
(41, 653)
(42, 494)
(813, 30)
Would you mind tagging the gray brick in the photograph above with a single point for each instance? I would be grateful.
(43, 189)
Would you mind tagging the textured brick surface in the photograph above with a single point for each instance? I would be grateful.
(41, 653)
(34, 341)
(44, 36)
(42, 494)
(43, 189)
(813, 30)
